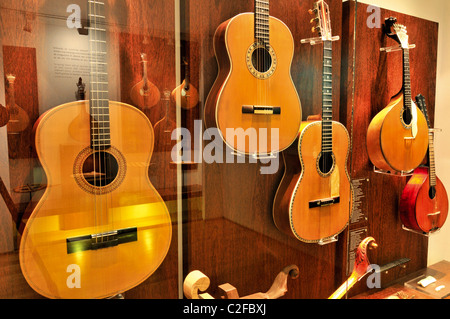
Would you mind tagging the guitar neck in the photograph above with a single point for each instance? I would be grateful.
(98, 98)
(327, 102)
(432, 169)
(406, 80)
(262, 21)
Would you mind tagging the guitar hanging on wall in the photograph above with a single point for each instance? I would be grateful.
(424, 201)
(254, 91)
(101, 227)
(314, 199)
(397, 135)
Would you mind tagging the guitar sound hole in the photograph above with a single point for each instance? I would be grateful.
(407, 116)
(100, 169)
(261, 60)
(326, 162)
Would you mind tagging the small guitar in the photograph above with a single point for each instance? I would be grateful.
(4, 115)
(18, 118)
(424, 201)
(145, 94)
(397, 135)
(314, 199)
(101, 227)
(185, 95)
(253, 101)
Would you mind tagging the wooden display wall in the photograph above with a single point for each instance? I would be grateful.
(237, 241)
(233, 238)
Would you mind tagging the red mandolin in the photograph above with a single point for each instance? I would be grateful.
(424, 201)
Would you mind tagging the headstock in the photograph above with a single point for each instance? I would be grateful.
(322, 20)
(397, 32)
(420, 100)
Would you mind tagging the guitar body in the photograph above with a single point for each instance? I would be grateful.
(187, 98)
(53, 253)
(418, 211)
(386, 144)
(145, 94)
(303, 182)
(236, 86)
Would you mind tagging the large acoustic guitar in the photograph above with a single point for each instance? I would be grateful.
(424, 201)
(314, 199)
(397, 136)
(101, 227)
(253, 101)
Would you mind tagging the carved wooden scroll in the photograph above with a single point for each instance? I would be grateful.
(196, 281)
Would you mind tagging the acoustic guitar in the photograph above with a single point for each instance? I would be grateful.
(424, 200)
(314, 199)
(18, 117)
(185, 95)
(253, 101)
(145, 94)
(397, 135)
(100, 227)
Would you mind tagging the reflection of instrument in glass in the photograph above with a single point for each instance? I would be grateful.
(424, 200)
(185, 95)
(253, 101)
(18, 118)
(100, 228)
(397, 135)
(81, 89)
(144, 94)
(360, 268)
(314, 200)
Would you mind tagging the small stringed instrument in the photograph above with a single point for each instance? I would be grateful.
(253, 101)
(314, 199)
(145, 94)
(18, 118)
(424, 201)
(397, 135)
(100, 228)
(4, 115)
(185, 95)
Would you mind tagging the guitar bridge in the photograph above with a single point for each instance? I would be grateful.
(101, 240)
(324, 202)
(261, 109)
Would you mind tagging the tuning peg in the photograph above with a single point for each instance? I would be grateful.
(314, 20)
(312, 11)
(314, 29)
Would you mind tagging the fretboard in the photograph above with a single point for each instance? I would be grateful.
(406, 80)
(327, 103)
(98, 97)
(432, 170)
(262, 21)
